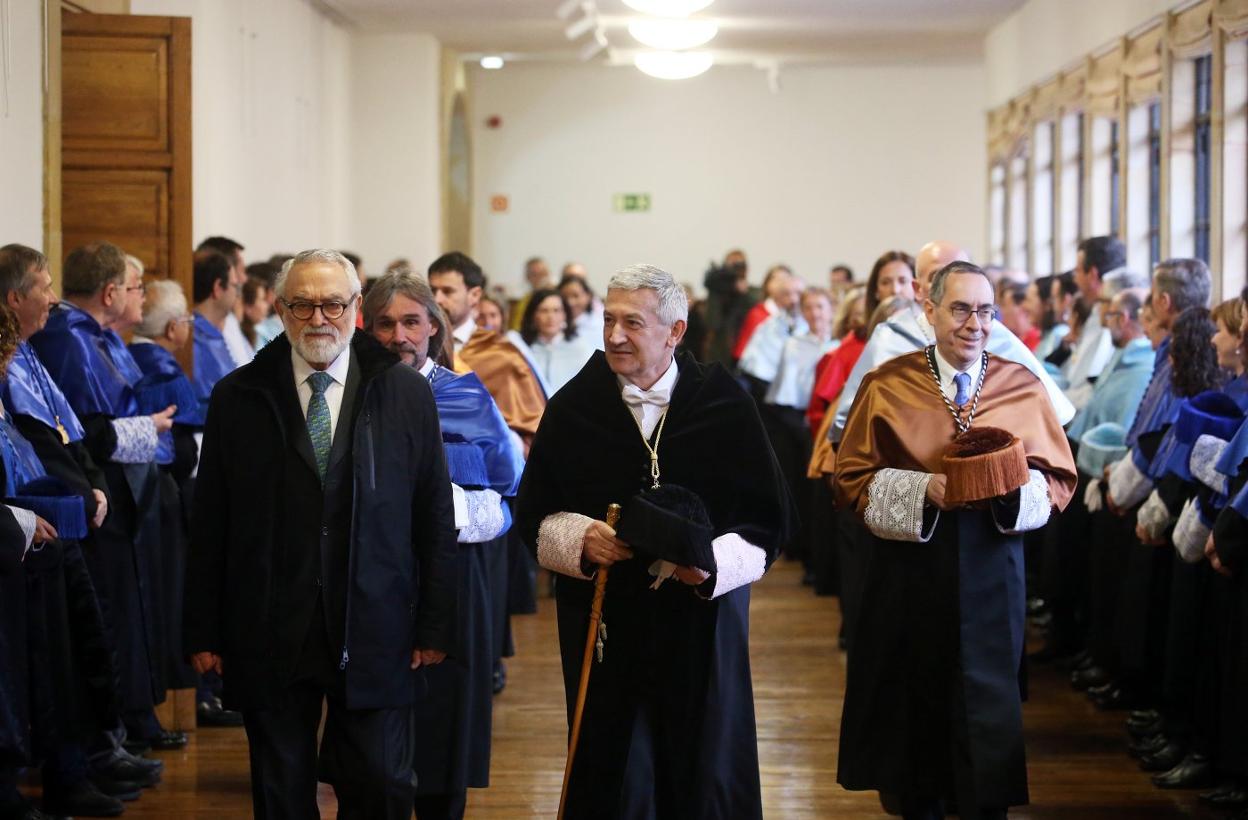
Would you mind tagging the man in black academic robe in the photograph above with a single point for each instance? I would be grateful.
(668, 727)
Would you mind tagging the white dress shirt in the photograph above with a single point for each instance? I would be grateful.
(241, 350)
(947, 371)
(333, 394)
(648, 405)
(461, 334)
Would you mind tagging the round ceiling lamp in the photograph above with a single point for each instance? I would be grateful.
(673, 65)
(668, 8)
(492, 62)
(673, 35)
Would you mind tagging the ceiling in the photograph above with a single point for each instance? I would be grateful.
(751, 31)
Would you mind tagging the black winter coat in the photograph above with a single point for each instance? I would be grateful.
(400, 589)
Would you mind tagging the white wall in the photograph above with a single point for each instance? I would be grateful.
(395, 181)
(844, 163)
(270, 137)
(1046, 36)
(21, 127)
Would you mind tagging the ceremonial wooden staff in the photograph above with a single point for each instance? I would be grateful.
(591, 639)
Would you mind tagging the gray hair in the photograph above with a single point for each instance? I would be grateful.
(165, 302)
(406, 283)
(1115, 282)
(936, 290)
(1186, 281)
(673, 304)
(136, 263)
(325, 255)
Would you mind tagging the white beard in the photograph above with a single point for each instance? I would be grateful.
(324, 345)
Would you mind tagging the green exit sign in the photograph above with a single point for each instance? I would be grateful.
(632, 203)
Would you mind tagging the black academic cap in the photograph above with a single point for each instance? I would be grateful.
(669, 522)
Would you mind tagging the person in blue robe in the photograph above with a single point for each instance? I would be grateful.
(214, 296)
(484, 458)
(97, 376)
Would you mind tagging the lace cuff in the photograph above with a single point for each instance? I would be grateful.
(1127, 484)
(1153, 516)
(1034, 505)
(136, 440)
(895, 501)
(485, 519)
(737, 563)
(561, 541)
(1190, 534)
(1093, 498)
(26, 520)
(1206, 453)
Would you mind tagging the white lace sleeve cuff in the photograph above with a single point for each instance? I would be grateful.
(136, 440)
(1153, 516)
(459, 502)
(737, 563)
(561, 541)
(1127, 484)
(1206, 453)
(895, 501)
(1034, 505)
(26, 520)
(485, 519)
(1190, 534)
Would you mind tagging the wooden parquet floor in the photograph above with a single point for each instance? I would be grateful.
(1077, 767)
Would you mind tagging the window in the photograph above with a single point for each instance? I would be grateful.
(1079, 236)
(1019, 222)
(1069, 224)
(1115, 180)
(1042, 199)
(1154, 184)
(1203, 127)
(996, 206)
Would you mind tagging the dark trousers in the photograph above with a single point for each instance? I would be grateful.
(365, 754)
(442, 806)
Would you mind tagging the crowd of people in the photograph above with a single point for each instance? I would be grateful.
(344, 449)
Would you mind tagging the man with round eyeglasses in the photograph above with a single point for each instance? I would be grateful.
(322, 565)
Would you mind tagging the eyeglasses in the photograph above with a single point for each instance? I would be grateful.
(303, 310)
(141, 288)
(1112, 314)
(962, 312)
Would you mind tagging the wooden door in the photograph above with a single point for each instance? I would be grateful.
(126, 138)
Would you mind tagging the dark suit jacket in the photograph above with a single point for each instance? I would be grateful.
(375, 543)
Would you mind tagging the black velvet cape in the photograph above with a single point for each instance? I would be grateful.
(669, 725)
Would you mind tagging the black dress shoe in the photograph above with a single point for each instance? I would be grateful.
(1165, 758)
(1090, 676)
(126, 769)
(1083, 660)
(1114, 699)
(1139, 730)
(167, 741)
(1196, 771)
(1102, 690)
(1147, 746)
(1228, 796)
(135, 746)
(124, 790)
(500, 677)
(1138, 716)
(25, 811)
(211, 713)
(82, 800)
(150, 764)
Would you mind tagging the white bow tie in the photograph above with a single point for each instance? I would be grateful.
(634, 396)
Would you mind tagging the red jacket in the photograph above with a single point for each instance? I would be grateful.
(757, 315)
(831, 373)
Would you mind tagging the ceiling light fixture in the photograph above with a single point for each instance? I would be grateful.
(492, 62)
(594, 47)
(668, 8)
(673, 35)
(579, 28)
(673, 65)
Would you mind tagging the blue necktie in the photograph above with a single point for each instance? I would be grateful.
(962, 380)
(320, 427)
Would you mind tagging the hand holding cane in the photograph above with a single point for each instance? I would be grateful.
(592, 640)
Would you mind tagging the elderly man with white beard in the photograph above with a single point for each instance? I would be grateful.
(322, 564)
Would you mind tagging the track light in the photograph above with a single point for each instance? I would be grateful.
(579, 28)
(672, 35)
(673, 65)
(595, 46)
(668, 8)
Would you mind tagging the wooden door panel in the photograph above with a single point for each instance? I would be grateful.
(128, 208)
(115, 94)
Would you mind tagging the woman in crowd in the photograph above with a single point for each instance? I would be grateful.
(256, 307)
(491, 315)
(891, 275)
(584, 312)
(558, 351)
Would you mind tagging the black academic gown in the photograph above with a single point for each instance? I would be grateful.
(668, 727)
(14, 681)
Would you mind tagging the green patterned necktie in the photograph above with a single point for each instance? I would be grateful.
(320, 427)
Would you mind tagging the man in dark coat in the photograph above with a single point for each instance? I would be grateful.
(668, 728)
(322, 562)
